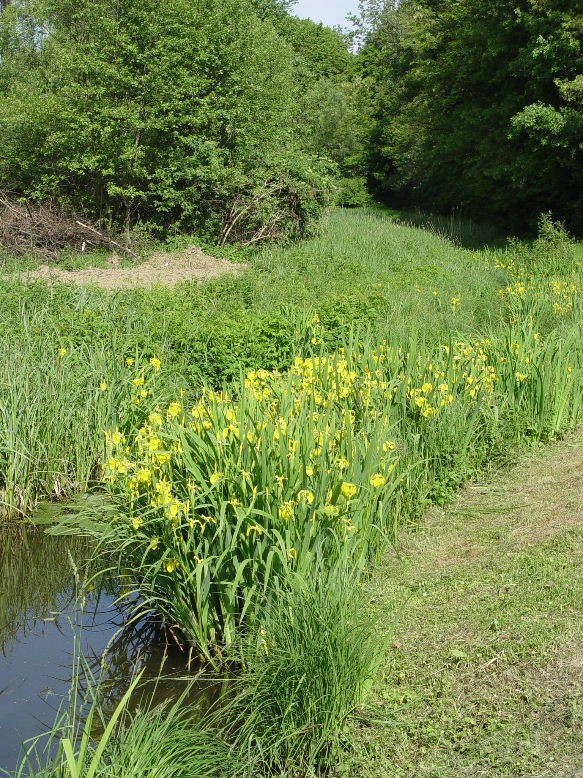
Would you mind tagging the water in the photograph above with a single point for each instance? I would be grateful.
(41, 622)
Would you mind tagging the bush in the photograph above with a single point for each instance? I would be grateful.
(165, 113)
(353, 193)
(552, 252)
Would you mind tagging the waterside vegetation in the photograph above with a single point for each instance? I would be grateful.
(245, 454)
(228, 499)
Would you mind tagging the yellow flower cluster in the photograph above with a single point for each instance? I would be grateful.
(514, 290)
(290, 448)
(339, 380)
(499, 264)
(525, 288)
(564, 294)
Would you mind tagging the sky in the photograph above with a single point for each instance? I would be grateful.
(330, 12)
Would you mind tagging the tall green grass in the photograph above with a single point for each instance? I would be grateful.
(306, 669)
(363, 272)
(245, 509)
(168, 740)
(55, 402)
(213, 504)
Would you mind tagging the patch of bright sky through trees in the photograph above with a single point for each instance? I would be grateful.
(331, 12)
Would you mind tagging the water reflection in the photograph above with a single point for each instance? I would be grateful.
(33, 571)
(43, 629)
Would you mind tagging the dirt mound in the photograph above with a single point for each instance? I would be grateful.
(167, 268)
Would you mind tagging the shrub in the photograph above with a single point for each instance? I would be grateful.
(353, 193)
(552, 253)
(168, 113)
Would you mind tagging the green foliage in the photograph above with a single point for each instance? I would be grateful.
(478, 107)
(320, 52)
(173, 115)
(353, 193)
(333, 118)
(551, 252)
(364, 272)
(335, 122)
(305, 670)
(274, 10)
(169, 740)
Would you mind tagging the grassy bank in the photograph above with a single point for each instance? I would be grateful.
(483, 615)
(61, 344)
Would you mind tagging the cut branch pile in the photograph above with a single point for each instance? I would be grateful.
(44, 231)
(262, 216)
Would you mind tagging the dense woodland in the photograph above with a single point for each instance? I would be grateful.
(237, 121)
(478, 106)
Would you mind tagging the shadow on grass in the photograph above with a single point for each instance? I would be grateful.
(459, 230)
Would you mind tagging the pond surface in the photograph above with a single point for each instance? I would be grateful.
(43, 627)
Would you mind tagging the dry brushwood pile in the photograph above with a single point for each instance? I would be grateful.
(44, 231)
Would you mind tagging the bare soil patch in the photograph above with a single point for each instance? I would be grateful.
(167, 268)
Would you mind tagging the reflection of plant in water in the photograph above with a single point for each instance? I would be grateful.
(146, 647)
(87, 740)
(35, 578)
(40, 580)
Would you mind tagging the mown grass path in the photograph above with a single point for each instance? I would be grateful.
(484, 611)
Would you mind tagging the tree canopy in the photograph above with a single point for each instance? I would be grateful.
(237, 120)
(173, 112)
(478, 106)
